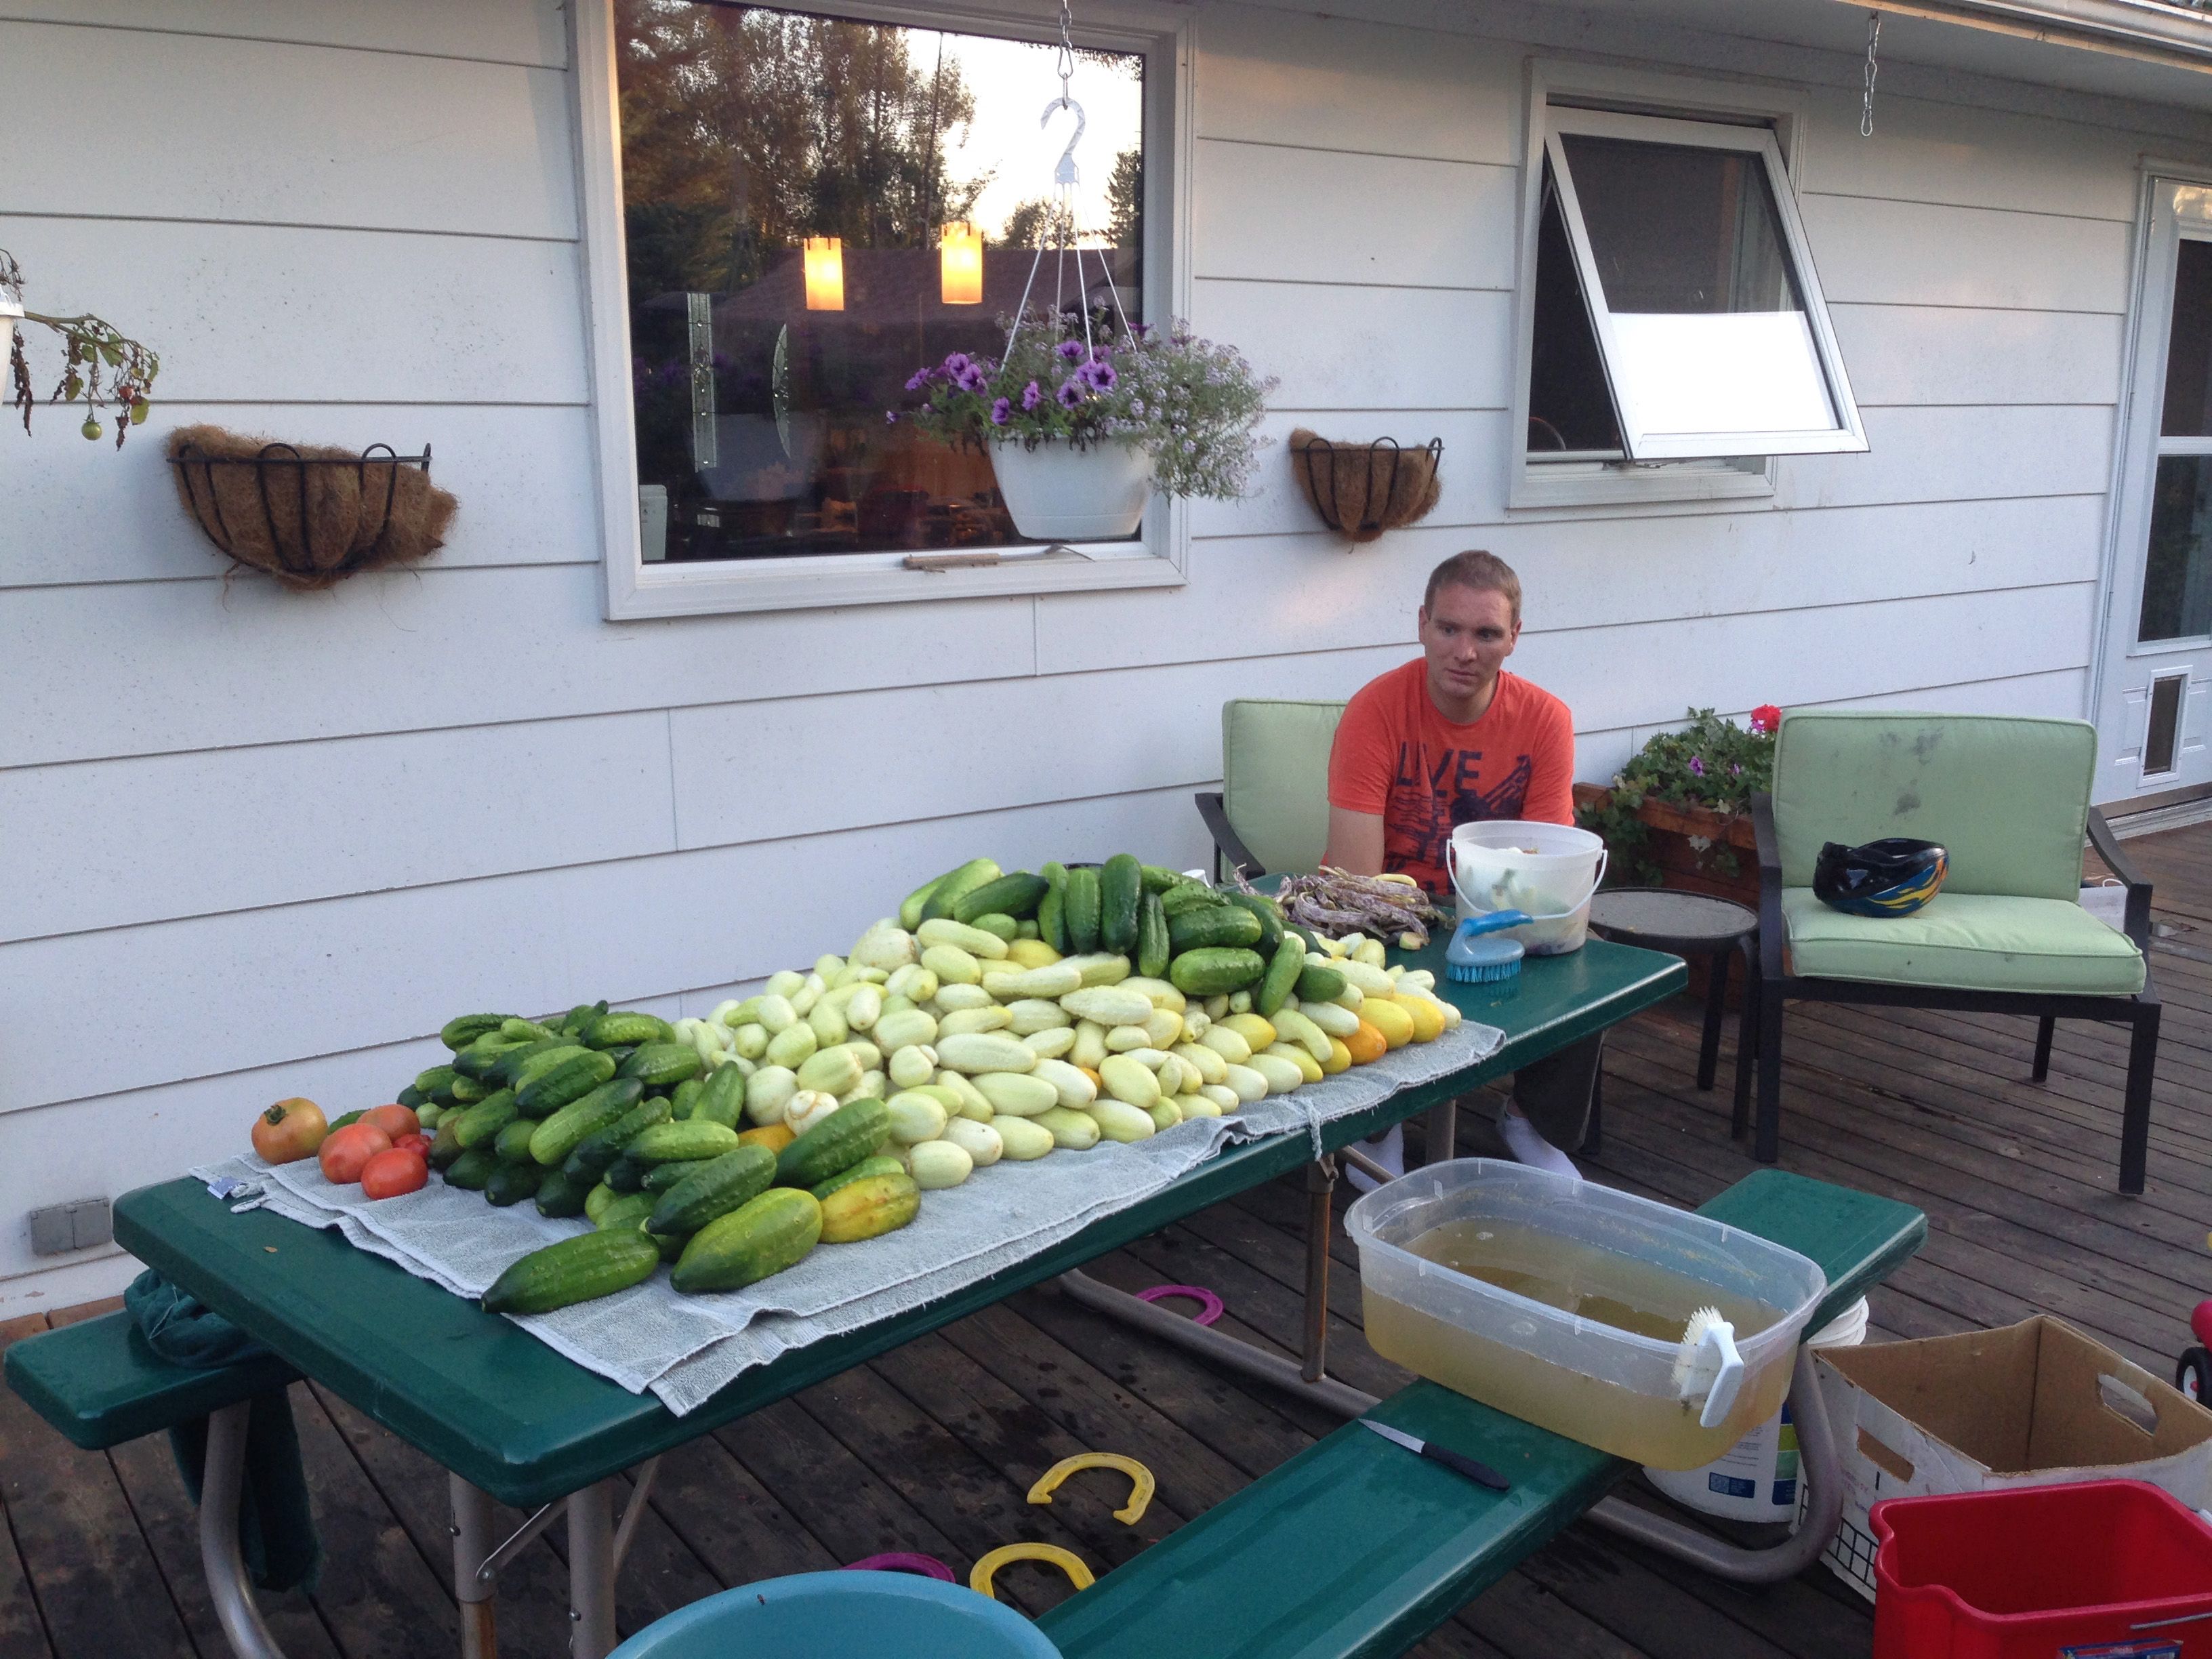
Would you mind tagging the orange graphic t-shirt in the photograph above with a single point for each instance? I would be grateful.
(1395, 754)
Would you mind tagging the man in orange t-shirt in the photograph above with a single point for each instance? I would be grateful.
(1452, 738)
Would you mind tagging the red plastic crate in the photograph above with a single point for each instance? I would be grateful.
(2094, 1570)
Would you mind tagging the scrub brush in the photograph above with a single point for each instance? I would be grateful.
(1472, 959)
(1707, 1361)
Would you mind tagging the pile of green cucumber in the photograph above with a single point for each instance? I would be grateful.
(605, 1114)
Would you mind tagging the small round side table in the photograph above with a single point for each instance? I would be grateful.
(1692, 925)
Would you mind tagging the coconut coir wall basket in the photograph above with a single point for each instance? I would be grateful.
(307, 515)
(1364, 490)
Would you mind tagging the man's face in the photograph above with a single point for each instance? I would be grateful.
(1466, 637)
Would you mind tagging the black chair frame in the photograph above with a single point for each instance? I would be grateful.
(2141, 1011)
(1227, 843)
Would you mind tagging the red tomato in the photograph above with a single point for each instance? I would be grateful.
(395, 1121)
(393, 1172)
(417, 1143)
(289, 1130)
(346, 1150)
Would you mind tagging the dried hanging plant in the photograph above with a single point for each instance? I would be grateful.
(101, 364)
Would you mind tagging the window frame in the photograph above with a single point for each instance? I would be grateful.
(1559, 86)
(1158, 556)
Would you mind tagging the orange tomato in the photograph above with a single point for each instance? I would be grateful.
(1366, 1044)
(394, 1120)
(346, 1152)
(289, 1130)
(393, 1171)
(773, 1136)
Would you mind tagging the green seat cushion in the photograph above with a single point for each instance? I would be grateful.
(2007, 796)
(1274, 779)
(1966, 942)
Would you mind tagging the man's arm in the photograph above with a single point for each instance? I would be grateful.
(1355, 842)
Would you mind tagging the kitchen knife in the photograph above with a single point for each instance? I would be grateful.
(1481, 1473)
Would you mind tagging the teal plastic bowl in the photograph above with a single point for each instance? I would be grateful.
(838, 1616)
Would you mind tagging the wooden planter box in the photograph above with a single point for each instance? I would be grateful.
(1683, 866)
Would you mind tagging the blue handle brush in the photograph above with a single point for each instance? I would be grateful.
(1472, 958)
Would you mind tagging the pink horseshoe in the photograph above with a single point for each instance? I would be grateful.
(904, 1561)
(1210, 1308)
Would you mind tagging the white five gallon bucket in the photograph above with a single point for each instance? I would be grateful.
(1550, 870)
(1756, 1478)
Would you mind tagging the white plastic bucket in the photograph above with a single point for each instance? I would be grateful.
(1756, 1478)
(1550, 870)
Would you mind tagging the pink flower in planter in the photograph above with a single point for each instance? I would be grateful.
(1765, 718)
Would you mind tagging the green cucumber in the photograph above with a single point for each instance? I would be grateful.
(467, 1091)
(1158, 879)
(1015, 896)
(684, 1099)
(437, 1080)
(596, 1200)
(345, 1120)
(629, 1210)
(999, 925)
(512, 1144)
(1191, 896)
(878, 1165)
(1281, 978)
(412, 1098)
(772, 1232)
(562, 1083)
(1319, 984)
(482, 1121)
(1270, 916)
(685, 1143)
(625, 1175)
(1222, 925)
(712, 1189)
(578, 1269)
(853, 1132)
(721, 1097)
(1080, 900)
(473, 1168)
(661, 1065)
(525, 1031)
(625, 1030)
(1153, 950)
(558, 1197)
(1052, 908)
(910, 910)
(518, 1064)
(446, 1145)
(956, 886)
(461, 1032)
(511, 1183)
(1120, 884)
(1215, 970)
(591, 1156)
(567, 1129)
(477, 1061)
(660, 1177)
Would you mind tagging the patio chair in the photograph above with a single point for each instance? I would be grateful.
(1270, 817)
(2010, 799)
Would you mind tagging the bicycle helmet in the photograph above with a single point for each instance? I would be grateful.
(1891, 877)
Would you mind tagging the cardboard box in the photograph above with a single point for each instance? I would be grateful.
(2031, 1405)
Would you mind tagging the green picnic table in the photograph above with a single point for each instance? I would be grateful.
(511, 1419)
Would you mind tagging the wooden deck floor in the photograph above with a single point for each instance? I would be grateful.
(931, 1448)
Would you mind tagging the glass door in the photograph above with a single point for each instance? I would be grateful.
(2158, 653)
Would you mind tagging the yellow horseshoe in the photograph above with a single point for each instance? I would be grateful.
(1138, 1499)
(979, 1577)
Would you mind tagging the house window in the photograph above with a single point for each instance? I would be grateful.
(1674, 327)
(806, 200)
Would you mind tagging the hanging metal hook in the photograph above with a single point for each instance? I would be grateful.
(1872, 68)
(1064, 174)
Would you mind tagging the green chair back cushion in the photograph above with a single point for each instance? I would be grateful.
(1966, 942)
(1274, 779)
(2009, 797)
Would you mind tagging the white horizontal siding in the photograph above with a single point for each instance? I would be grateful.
(293, 834)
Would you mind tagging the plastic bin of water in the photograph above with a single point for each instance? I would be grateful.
(1564, 1303)
(1550, 870)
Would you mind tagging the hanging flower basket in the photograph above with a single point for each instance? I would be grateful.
(1057, 493)
(309, 516)
(1360, 490)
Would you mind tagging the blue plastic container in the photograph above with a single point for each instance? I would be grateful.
(838, 1616)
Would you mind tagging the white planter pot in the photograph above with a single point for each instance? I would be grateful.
(1061, 494)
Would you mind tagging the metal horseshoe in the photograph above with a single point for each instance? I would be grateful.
(979, 1577)
(1064, 174)
(1139, 1499)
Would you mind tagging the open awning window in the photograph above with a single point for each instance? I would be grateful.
(1702, 297)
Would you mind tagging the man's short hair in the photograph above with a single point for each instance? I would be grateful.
(1484, 571)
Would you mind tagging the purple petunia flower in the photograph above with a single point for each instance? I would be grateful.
(1098, 375)
(1070, 395)
(1069, 350)
(1002, 411)
(1697, 766)
(918, 379)
(973, 378)
(956, 363)
(1032, 395)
